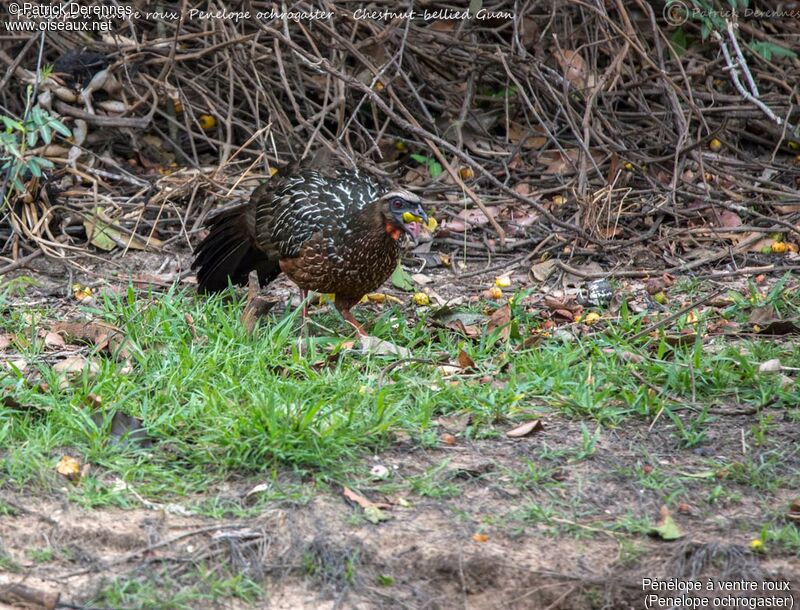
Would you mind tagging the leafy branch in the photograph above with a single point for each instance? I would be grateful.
(17, 138)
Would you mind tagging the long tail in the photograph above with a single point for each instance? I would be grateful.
(229, 254)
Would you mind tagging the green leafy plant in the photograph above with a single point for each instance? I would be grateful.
(432, 165)
(18, 136)
(767, 50)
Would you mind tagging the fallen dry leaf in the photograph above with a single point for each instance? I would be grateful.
(455, 423)
(761, 316)
(463, 322)
(543, 270)
(75, 365)
(576, 281)
(464, 360)
(729, 219)
(54, 340)
(147, 280)
(448, 439)
(372, 510)
(187, 317)
(522, 188)
(94, 401)
(17, 364)
(448, 370)
(570, 306)
(658, 284)
(572, 66)
(500, 319)
(5, 342)
(535, 425)
(517, 132)
(378, 347)
(103, 336)
(104, 233)
(793, 513)
(361, 500)
(476, 217)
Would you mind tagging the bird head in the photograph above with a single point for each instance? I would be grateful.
(402, 211)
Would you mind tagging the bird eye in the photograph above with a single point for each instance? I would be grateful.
(397, 204)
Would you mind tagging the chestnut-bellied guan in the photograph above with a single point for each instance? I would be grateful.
(336, 232)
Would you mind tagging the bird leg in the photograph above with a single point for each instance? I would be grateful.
(302, 338)
(350, 319)
(304, 298)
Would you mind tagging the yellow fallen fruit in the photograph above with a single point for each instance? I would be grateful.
(430, 225)
(628, 166)
(466, 173)
(494, 293)
(559, 200)
(207, 121)
(790, 247)
(779, 247)
(69, 467)
(715, 145)
(421, 299)
(503, 281)
(591, 318)
(379, 297)
(757, 545)
(81, 292)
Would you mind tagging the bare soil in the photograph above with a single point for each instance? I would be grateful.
(324, 554)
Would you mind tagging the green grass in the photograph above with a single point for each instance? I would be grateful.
(198, 588)
(225, 404)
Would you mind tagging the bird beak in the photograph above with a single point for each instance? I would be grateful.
(410, 219)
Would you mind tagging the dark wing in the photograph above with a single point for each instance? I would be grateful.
(230, 252)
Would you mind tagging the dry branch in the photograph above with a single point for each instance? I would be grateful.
(592, 118)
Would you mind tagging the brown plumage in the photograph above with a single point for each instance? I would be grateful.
(334, 233)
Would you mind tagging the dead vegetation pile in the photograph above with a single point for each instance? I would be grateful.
(641, 135)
